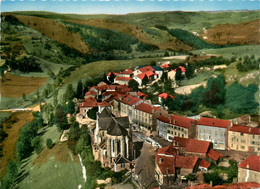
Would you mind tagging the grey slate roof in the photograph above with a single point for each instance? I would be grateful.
(116, 130)
(105, 113)
(115, 126)
(121, 159)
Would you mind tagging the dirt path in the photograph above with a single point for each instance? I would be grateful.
(188, 89)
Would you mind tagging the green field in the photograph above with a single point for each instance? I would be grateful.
(4, 116)
(197, 79)
(229, 52)
(52, 173)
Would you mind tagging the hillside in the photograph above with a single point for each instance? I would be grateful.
(55, 31)
(242, 33)
(145, 35)
(191, 21)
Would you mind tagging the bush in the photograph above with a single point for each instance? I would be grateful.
(49, 143)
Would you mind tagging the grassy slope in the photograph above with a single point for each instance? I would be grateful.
(4, 116)
(55, 168)
(9, 144)
(239, 51)
(100, 67)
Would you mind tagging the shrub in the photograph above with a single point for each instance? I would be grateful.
(49, 143)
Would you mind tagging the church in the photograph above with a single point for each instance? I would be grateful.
(112, 141)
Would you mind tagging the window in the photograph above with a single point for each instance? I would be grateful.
(160, 160)
(209, 137)
(182, 135)
(243, 141)
(242, 147)
(122, 165)
(253, 142)
(113, 146)
(210, 132)
(241, 134)
(216, 132)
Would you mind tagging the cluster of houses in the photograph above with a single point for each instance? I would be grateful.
(194, 141)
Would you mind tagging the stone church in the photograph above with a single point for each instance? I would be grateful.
(112, 141)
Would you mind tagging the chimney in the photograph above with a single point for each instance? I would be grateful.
(152, 110)
(249, 129)
(120, 98)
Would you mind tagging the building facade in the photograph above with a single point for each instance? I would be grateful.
(215, 131)
(249, 169)
(244, 138)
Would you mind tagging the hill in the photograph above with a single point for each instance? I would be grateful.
(242, 33)
(55, 31)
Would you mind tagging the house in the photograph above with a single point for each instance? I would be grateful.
(204, 165)
(198, 148)
(112, 140)
(145, 117)
(164, 96)
(141, 95)
(215, 131)
(169, 165)
(181, 126)
(150, 75)
(165, 158)
(244, 138)
(86, 105)
(162, 125)
(172, 73)
(122, 80)
(158, 70)
(249, 169)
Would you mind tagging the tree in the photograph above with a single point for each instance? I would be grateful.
(49, 143)
(24, 97)
(79, 91)
(37, 144)
(112, 77)
(153, 63)
(178, 75)
(133, 84)
(61, 118)
(215, 91)
(241, 99)
(145, 80)
(70, 92)
(92, 113)
(166, 54)
(71, 107)
(189, 71)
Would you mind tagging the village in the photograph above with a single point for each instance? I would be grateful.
(162, 149)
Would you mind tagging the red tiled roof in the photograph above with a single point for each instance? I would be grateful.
(213, 122)
(103, 104)
(140, 94)
(179, 141)
(127, 71)
(165, 95)
(148, 74)
(197, 146)
(204, 164)
(167, 155)
(92, 92)
(163, 119)
(109, 74)
(145, 108)
(182, 69)
(146, 69)
(245, 129)
(239, 185)
(107, 93)
(186, 162)
(89, 102)
(214, 155)
(251, 162)
(181, 121)
(123, 78)
(165, 65)
(130, 100)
